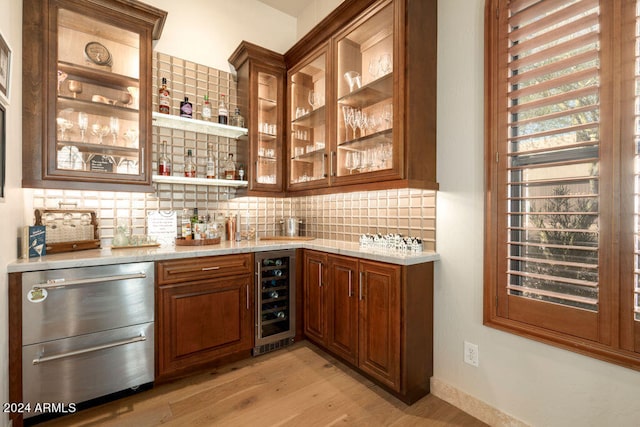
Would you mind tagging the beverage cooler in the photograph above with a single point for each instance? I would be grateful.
(275, 300)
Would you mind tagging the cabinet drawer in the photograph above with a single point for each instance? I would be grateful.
(182, 270)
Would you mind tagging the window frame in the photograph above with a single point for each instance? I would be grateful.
(617, 335)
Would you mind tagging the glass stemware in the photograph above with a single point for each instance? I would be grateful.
(386, 64)
(131, 136)
(75, 87)
(347, 113)
(353, 121)
(114, 128)
(99, 131)
(353, 79)
(374, 68)
(83, 124)
(63, 126)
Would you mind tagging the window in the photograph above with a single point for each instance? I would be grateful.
(562, 234)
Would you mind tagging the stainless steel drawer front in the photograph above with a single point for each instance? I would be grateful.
(85, 300)
(77, 369)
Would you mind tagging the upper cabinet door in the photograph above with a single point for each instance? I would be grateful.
(365, 109)
(309, 145)
(87, 120)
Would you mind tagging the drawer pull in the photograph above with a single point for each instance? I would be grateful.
(217, 267)
(61, 283)
(139, 338)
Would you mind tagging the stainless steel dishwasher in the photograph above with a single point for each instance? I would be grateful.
(86, 332)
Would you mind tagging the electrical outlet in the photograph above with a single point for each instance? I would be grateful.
(471, 355)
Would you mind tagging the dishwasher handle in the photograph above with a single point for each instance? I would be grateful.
(61, 283)
(44, 359)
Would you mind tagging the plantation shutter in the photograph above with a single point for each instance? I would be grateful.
(549, 159)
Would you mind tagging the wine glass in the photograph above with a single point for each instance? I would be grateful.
(362, 123)
(99, 131)
(351, 162)
(374, 68)
(352, 79)
(386, 65)
(75, 87)
(357, 121)
(83, 124)
(131, 136)
(313, 98)
(348, 117)
(114, 128)
(387, 115)
(63, 126)
(62, 76)
(353, 121)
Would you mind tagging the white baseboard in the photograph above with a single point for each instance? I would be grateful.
(473, 406)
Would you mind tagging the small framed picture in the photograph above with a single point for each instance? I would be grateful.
(5, 70)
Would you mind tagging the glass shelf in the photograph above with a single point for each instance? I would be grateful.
(198, 181)
(195, 125)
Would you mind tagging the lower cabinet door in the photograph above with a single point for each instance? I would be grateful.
(315, 311)
(199, 322)
(379, 328)
(342, 307)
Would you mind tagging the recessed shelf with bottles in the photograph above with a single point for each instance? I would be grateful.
(198, 181)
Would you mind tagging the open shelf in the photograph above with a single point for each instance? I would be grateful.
(198, 181)
(195, 125)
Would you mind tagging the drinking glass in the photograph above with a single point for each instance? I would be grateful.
(131, 136)
(352, 78)
(83, 124)
(386, 64)
(357, 121)
(387, 115)
(348, 117)
(99, 131)
(374, 68)
(114, 128)
(353, 121)
(363, 123)
(75, 87)
(63, 126)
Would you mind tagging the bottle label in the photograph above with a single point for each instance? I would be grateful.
(230, 174)
(164, 102)
(186, 109)
(206, 111)
(190, 173)
(164, 170)
(211, 170)
(223, 116)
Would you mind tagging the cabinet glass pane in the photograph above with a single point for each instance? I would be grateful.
(365, 96)
(97, 110)
(268, 133)
(308, 154)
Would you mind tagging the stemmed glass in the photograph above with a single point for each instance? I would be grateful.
(114, 128)
(348, 118)
(99, 131)
(353, 79)
(75, 87)
(363, 122)
(63, 126)
(387, 115)
(131, 135)
(374, 68)
(385, 64)
(353, 121)
(83, 124)
(352, 161)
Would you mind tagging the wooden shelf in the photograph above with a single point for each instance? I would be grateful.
(198, 181)
(195, 125)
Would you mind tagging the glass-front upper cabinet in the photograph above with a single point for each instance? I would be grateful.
(365, 102)
(308, 146)
(260, 75)
(97, 118)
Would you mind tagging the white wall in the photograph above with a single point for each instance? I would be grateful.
(11, 208)
(314, 13)
(539, 384)
(208, 31)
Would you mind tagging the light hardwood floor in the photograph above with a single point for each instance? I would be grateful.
(297, 386)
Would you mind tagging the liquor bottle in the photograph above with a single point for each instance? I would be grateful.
(237, 119)
(195, 229)
(186, 108)
(164, 100)
(164, 162)
(230, 168)
(185, 220)
(211, 162)
(223, 112)
(189, 165)
(241, 172)
(206, 109)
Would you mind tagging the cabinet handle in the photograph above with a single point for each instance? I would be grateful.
(61, 283)
(325, 166)
(360, 297)
(350, 290)
(43, 359)
(247, 297)
(217, 267)
(333, 156)
(320, 276)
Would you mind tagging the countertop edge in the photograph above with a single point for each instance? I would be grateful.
(108, 256)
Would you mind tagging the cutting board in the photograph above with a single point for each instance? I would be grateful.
(286, 238)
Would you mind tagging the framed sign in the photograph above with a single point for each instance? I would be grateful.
(5, 70)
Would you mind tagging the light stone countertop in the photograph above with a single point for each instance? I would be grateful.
(108, 256)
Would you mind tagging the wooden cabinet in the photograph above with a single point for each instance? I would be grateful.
(315, 312)
(86, 94)
(261, 93)
(378, 115)
(376, 316)
(204, 312)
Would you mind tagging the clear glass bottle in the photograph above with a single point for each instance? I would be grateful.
(223, 112)
(237, 119)
(241, 172)
(164, 162)
(206, 109)
(186, 108)
(164, 98)
(230, 167)
(211, 162)
(189, 165)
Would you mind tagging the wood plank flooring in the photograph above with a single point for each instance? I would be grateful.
(296, 386)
